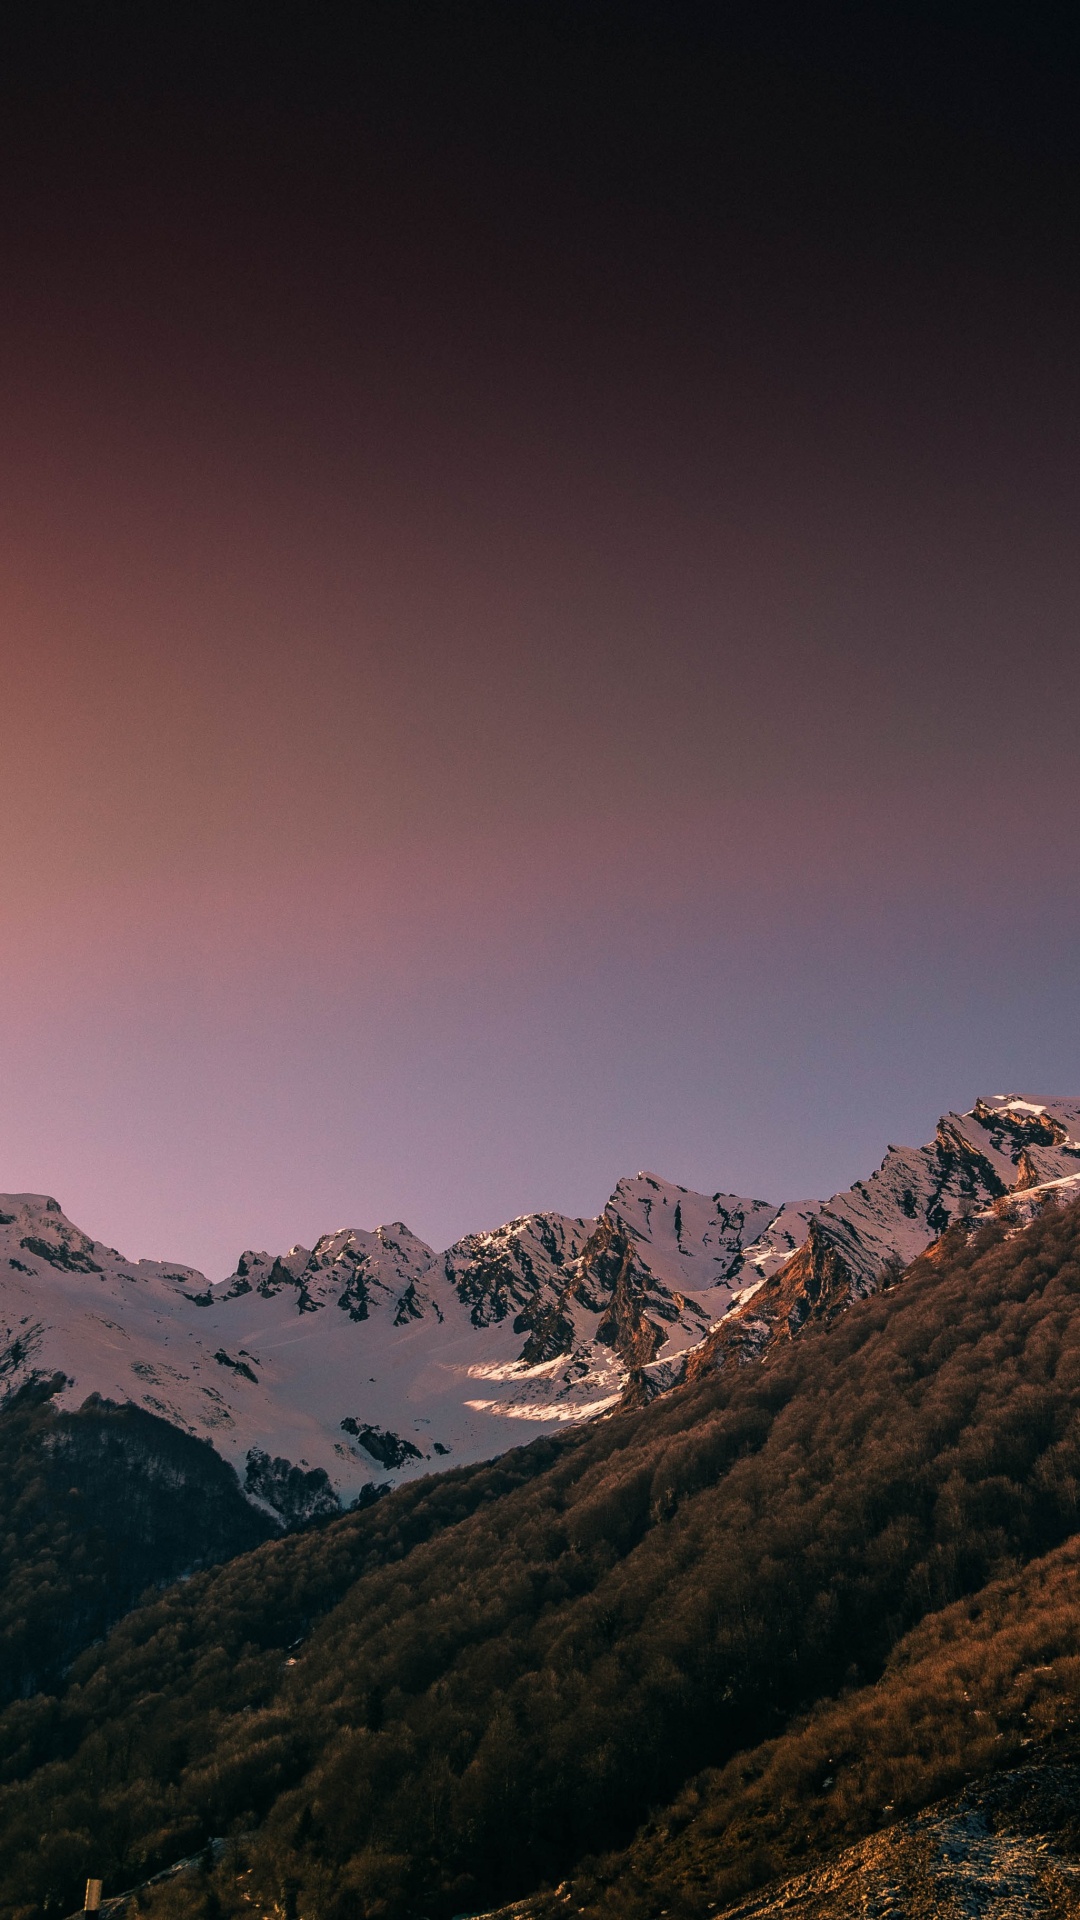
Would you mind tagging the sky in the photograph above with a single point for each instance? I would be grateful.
(539, 591)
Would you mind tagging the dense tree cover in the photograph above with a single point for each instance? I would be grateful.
(992, 1680)
(486, 1699)
(215, 1645)
(95, 1507)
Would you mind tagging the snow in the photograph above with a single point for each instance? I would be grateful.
(377, 1328)
(370, 1326)
(528, 1410)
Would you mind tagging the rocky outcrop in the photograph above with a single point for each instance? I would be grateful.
(547, 1319)
(978, 1162)
(521, 1271)
(625, 1325)
(1030, 1123)
(293, 1494)
(811, 1288)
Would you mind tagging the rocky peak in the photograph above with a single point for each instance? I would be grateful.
(36, 1235)
(1028, 1122)
(860, 1239)
(518, 1271)
(693, 1241)
(369, 1354)
(352, 1269)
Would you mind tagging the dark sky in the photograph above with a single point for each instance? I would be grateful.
(538, 601)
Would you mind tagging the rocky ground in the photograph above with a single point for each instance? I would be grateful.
(929, 1868)
(1008, 1848)
(1005, 1850)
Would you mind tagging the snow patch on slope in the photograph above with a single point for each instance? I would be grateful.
(371, 1357)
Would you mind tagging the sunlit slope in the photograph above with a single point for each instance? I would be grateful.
(372, 1358)
(485, 1706)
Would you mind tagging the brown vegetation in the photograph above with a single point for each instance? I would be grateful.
(505, 1670)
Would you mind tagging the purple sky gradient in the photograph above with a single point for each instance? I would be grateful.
(538, 638)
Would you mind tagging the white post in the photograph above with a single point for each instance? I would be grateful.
(93, 1896)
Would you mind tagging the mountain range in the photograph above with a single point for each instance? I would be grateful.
(370, 1358)
(797, 1637)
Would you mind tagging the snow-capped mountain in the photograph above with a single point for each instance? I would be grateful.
(370, 1357)
(1007, 1146)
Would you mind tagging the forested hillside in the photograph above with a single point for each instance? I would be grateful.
(489, 1678)
(95, 1507)
(992, 1680)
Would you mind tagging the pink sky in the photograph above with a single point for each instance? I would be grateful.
(489, 705)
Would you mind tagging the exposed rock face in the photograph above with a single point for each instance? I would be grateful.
(625, 1324)
(369, 1352)
(859, 1240)
(353, 1270)
(1027, 1173)
(813, 1286)
(1026, 1122)
(297, 1356)
(294, 1495)
(521, 1270)
(389, 1449)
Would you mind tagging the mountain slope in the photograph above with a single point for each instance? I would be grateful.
(368, 1356)
(664, 1591)
(96, 1506)
(987, 1683)
(860, 1239)
(371, 1358)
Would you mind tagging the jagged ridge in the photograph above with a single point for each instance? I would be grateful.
(324, 1370)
